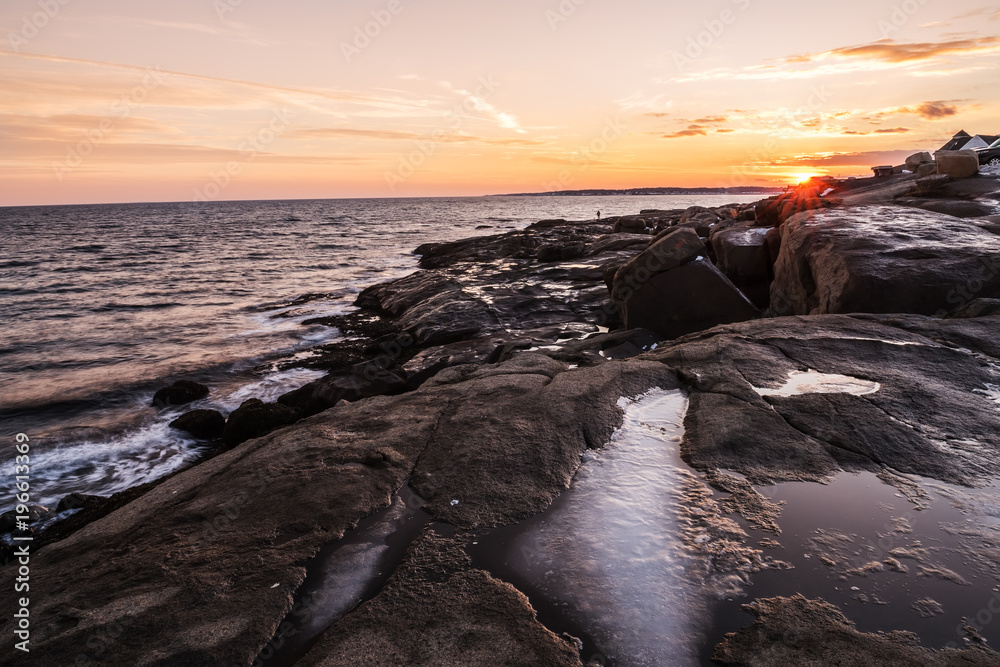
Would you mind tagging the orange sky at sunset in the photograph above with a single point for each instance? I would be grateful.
(115, 101)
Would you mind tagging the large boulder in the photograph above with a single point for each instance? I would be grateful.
(918, 159)
(675, 247)
(630, 224)
(179, 393)
(957, 164)
(254, 419)
(672, 289)
(743, 255)
(883, 259)
(204, 424)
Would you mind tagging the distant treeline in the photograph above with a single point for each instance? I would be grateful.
(653, 191)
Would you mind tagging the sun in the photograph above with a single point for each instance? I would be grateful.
(802, 178)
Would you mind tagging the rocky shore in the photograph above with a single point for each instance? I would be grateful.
(837, 327)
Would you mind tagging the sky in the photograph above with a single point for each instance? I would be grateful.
(195, 100)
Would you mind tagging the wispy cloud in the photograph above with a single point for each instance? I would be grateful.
(915, 59)
(396, 135)
(228, 30)
(887, 50)
(502, 118)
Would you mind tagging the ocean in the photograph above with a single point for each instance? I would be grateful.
(102, 305)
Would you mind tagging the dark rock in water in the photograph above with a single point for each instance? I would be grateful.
(364, 381)
(179, 393)
(8, 520)
(75, 501)
(254, 419)
(881, 259)
(438, 608)
(203, 424)
(797, 631)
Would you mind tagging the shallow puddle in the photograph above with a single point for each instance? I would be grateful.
(622, 559)
(345, 574)
(811, 382)
(861, 545)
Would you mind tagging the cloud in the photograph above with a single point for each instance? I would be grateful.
(396, 135)
(887, 50)
(502, 118)
(691, 131)
(846, 159)
(915, 59)
(711, 120)
(229, 30)
(989, 13)
(936, 110)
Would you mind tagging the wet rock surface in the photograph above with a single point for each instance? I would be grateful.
(485, 382)
(797, 631)
(436, 605)
(883, 260)
(179, 393)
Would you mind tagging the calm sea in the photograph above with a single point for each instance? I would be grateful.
(102, 305)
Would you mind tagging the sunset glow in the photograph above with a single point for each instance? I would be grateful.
(117, 101)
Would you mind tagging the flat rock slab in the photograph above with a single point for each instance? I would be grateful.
(189, 569)
(797, 631)
(436, 610)
(926, 407)
(883, 259)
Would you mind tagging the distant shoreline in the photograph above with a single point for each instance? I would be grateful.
(650, 192)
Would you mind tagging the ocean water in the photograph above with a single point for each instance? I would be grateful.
(102, 305)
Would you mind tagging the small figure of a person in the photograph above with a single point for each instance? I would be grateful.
(598, 215)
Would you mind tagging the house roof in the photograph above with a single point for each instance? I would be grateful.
(988, 138)
(957, 141)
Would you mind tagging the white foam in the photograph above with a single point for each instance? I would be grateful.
(269, 388)
(811, 382)
(991, 392)
(102, 468)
